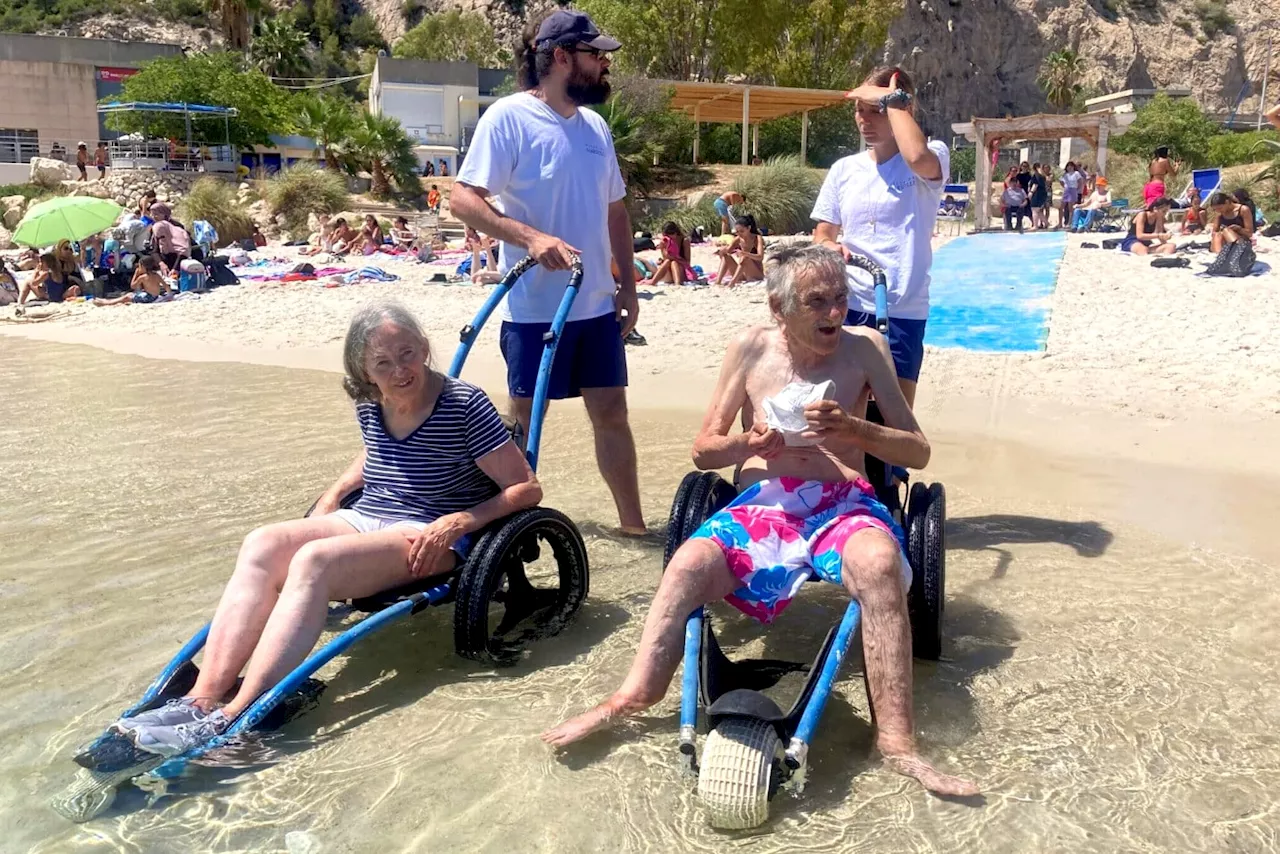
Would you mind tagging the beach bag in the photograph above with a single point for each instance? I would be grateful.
(1235, 260)
(304, 269)
(1167, 261)
(1272, 230)
(220, 272)
(1111, 243)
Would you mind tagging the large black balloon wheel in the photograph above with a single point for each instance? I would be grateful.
(926, 547)
(510, 592)
(698, 497)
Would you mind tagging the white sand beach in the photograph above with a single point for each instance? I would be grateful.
(1123, 336)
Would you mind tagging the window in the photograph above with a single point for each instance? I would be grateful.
(18, 146)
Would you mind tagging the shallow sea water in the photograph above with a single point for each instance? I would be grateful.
(1108, 679)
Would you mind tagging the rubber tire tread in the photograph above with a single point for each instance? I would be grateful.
(926, 546)
(700, 494)
(484, 569)
(738, 761)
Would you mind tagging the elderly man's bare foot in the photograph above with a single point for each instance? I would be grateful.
(598, 718)
(911, 765)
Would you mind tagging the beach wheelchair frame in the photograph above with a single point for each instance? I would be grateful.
(752, 746)
(490, 584)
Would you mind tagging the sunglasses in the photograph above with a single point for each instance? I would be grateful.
(589, 51)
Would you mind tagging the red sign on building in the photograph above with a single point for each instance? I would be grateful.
(115, 75)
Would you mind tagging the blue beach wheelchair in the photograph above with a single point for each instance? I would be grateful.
(499, 606)
(753, 748)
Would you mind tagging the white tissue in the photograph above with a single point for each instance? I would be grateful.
(784, 411)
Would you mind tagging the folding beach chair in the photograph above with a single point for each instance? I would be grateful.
(1116, 215)
(1207, 181)
(955, 221)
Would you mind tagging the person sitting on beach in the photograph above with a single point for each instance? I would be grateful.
(259, 240)
(402, 236)
(1158, 170)
(144, 205)
(1146, 231)
(484, 257)
(675, 263)
(433, 199)
(748, 247)
(50, 282)
(8, 285)
(1099, 200)
(169, 239)
(371, 237)
(28, 259)
(438, 465)
(1242, 196)
(1193, 222)
(1013, 200)
(147, 286)
(725, 208)
(342, 237)
(776, 529)
(1230, 222)
(949, 207)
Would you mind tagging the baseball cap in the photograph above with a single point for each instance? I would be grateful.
(564, 27)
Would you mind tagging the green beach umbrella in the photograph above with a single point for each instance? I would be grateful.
(65, 218)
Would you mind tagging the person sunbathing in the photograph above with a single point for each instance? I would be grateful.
(1193, 221)
(147, 286)
(437, 466)
(50, 282)
(748, 246)
(674, 266)
(483, 249)
(802, 509)
(402, 236)
(1146, 231)
(371, 238)
(8, 285)
(1230, 221)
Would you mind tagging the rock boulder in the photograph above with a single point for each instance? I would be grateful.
(49, 173)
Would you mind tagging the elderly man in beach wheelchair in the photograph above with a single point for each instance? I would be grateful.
(805, 509)
(438, 507)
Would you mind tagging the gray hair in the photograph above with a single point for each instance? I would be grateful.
(786, 264)
(366, 322)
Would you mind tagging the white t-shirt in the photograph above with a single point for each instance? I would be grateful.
(559, 176)
(886, 213)
(1072, 182)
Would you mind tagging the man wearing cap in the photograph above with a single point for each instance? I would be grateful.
(552, 167)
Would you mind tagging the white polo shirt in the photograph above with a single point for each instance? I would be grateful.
(559, 176)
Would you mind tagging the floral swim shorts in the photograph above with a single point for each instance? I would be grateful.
(778, 532)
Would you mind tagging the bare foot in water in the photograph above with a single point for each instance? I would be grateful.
(910, 765)
(598, 718)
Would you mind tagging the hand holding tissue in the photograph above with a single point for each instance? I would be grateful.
(784, 411)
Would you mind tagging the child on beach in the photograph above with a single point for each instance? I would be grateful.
(148, 286)
(433, 199)
(49, 282)
(402, 237)
(748, 246)
(258, 239)
(1193, 223)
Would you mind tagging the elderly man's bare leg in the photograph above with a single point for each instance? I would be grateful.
(696, 575)
(873, 575)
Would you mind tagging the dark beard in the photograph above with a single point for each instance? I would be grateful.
(583, 91)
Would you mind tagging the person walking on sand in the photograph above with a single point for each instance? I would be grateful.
(552, 166)
(882, 204)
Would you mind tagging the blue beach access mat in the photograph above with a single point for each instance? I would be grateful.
(994, 292)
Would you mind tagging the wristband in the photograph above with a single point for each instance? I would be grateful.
(896, 98)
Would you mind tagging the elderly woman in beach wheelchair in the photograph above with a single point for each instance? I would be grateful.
(438, 507)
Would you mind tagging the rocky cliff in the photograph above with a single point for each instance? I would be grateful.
(981, 57)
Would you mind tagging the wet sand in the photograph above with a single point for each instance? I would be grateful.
(1109, 674)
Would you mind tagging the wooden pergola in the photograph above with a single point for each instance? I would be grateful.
(1096, 127)
(748, 105)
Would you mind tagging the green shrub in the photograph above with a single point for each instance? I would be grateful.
(1176, 122)
(214, 200)
(963, 164)
(1232, 149)
(304, 189)
(780, 194)
(30, 191)
(703, 214)
(1214, 17)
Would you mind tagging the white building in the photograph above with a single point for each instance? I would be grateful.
(437, 103)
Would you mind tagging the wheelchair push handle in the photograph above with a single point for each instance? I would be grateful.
(528, 262)
(881, 286)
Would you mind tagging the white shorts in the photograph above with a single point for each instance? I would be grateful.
(366, 524)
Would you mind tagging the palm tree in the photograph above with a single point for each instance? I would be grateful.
(235, 18)
(379, 144)
(280, 50)
(328, 121)
(635, 152)
(1060, 77)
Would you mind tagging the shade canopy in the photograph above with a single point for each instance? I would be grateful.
(1040, 126)
(723, 102)
(147, 107)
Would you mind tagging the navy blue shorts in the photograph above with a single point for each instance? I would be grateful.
(906, 341)
(591, 354)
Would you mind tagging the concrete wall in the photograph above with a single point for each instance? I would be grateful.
(14, 173)
(56, 99)
(57, 49)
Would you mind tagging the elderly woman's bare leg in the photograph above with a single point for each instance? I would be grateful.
(249, 597)
(696, 575)
(345, 567)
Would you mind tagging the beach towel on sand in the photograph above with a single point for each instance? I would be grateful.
(373, 274)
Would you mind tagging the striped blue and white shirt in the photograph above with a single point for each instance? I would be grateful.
(431, 472)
